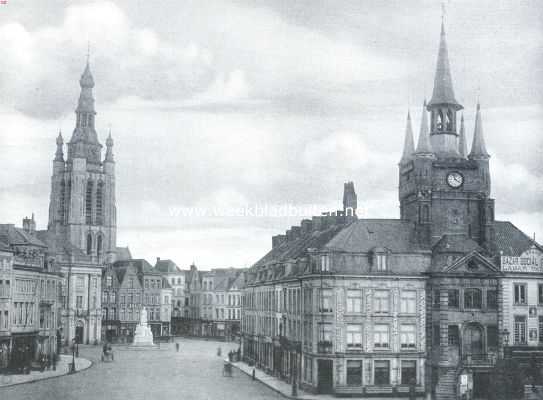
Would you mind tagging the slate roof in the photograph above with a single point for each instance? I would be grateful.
(511, 240)
(166, 266)
(17, 236)
(58, 245)
(363, 235)
(296, 248)
(141, 265)
(123, 253)
(456, 244)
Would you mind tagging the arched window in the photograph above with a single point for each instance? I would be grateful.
(99, 245)
(62, 201)
(439, 126)
(88, 203)
(89, 244)
(100, 203)
(450, 126)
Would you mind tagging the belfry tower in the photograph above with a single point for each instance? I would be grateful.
(82, 209)
(444, 190)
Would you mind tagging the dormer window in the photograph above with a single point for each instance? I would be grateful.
(325, 263)
(381, 261)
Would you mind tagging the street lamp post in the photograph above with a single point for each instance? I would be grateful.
(72, 365)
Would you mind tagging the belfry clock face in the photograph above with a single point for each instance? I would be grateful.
(455, 179)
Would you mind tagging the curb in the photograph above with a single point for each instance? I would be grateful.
(269, 386)
(38, 379)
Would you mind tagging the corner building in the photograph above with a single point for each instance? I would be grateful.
(428, 302)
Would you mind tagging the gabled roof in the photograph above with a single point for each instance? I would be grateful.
(469, 264)
(364, 235)
(14, 236)
(511, 241)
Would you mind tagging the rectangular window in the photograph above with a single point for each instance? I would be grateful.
(325, 333)
(80, 283)
(79, 302)
(492, 336)
(325, 263)
(540, 329)
(436, 337)
(491, 299)
(354, 301)
(354, 372)
(109, 281)
(354, 336)
(540, 294)
(381, 261)
(437, 299)
(381, 372)
(472, 298)
(409, 372)
(520, 293)
(104, 297)
(381, 301)
(326, 300)
(407, 337)
(454, 336)
(380, 336)
(520, 329)
(453, 298)
(408, 302)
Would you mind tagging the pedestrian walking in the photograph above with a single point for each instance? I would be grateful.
(177, 346)
(219, 351)
(254, 373)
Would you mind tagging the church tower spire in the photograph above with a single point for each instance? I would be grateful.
(478, 148)
(409, 146)
(59, 155)
(462, 144)
(424, 147)
(84, 142)
(443, 105)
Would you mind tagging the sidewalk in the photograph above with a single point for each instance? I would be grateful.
(62, 369)
(285, 388)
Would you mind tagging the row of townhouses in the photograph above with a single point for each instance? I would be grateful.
(428, 302)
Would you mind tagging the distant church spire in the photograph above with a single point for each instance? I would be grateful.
(59, 155)
(424, 147)
(349, 199)
(109, 150)
(409, 146)
(462, 144)
(478, 148)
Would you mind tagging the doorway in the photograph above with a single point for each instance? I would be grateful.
(325, 376)
(79, 331)
(481, 385)
(473, 341)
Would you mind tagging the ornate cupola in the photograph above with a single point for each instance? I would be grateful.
(84, 142)
(443, 106)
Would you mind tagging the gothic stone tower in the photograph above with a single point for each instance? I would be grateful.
(82, 205)
(442, 189)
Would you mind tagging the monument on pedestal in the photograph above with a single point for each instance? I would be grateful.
(143, 335)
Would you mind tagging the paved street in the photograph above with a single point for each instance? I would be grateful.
(193, 373)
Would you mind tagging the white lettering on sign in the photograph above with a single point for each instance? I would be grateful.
(522, 264)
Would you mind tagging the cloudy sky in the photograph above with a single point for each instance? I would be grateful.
(221, 105)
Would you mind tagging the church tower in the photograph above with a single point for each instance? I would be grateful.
(82, 209)
(443, 190)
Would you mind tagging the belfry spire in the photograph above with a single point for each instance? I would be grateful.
(424, 147)
(409, 146)
(443, 88)
(109, 148)
(478, 147)
(462, 144)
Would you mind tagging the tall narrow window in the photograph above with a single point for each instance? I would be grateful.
(67, 200)
(88, 203)
(89, 244)
(520, 293)
(439, 120)
(450, 125)
(99, 246)
(100, 203)
(62, 201)
(520, 329)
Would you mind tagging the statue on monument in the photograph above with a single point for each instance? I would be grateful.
(143, 335)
